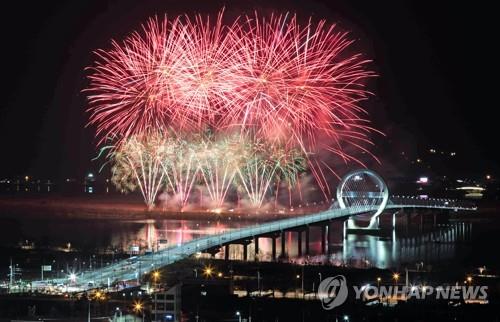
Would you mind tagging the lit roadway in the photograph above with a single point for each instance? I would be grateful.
(127, 270)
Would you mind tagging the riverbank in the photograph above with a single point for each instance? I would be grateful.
(130, 208)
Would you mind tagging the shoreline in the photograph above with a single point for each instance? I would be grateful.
(131, 207)
(121, 207)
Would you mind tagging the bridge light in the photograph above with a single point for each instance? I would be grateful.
(72, 277)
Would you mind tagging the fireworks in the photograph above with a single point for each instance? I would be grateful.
(274, 95)
(138, 162)
(220, 161)
(264, 165)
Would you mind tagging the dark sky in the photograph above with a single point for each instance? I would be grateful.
(436, 63)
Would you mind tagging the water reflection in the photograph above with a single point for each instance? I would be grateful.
(435, 246)
(391, 249)
(155, 235)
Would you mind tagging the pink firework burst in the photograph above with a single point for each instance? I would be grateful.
(130, 89)
(272, 78)
(174, 72)
(298, 82)
(300, 85)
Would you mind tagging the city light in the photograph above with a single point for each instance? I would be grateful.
(98, 295)
(138, 306)
(473, 188)
(423, 180)
(208, 271)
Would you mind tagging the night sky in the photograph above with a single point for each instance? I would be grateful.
(436, 64)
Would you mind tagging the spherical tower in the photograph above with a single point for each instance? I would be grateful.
(360, 189)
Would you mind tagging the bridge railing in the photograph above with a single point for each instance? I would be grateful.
(432, 202)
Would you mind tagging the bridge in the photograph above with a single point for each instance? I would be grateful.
(348, 205)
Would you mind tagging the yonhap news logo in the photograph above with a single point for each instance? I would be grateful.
(333, 292)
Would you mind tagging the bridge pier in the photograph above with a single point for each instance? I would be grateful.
(213, 251)
(299, 243)
(329, 238)
(256, 242)
(273, 241)
(323, 237)
(282, 238)
(307, 240)
(226, 252)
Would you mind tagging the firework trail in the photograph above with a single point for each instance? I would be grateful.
(219, 162)
(180, 167)
(262, 165)
(286, 88)
(137, 162)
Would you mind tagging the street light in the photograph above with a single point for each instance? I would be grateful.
(98, 295)
(238, 314)
(395, 276)
(139, 308)
(208, 271)
(379, 279)
(156, 276)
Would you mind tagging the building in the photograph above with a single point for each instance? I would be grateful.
(166, 306)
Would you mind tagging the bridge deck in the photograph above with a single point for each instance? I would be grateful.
(127, 270)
